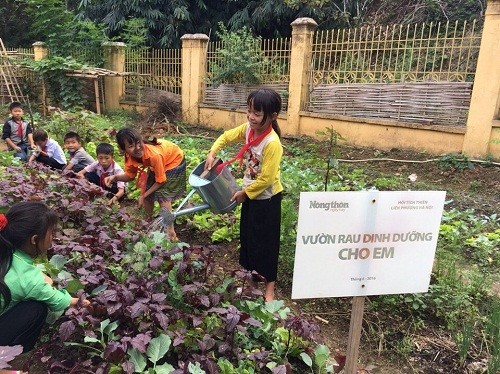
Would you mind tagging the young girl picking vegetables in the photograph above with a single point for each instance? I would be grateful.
(160, 167)
(26, 293)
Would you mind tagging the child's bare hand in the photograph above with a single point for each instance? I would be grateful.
(112, 201)
(108, 181)
(140, 201)
(209, 163)
(48, 279)
(77, 302)
(239, 197)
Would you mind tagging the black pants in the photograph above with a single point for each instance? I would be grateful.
(94, 178)
(22, 324)
(260, 236)
(50, 161)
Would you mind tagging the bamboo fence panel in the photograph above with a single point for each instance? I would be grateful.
(440, 103)
(154, 72)
(234, 96)
(275, 74)
(391, 71)
(275, 67)
(401, 53)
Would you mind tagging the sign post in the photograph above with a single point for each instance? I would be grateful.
(358, 304)
(365, 243)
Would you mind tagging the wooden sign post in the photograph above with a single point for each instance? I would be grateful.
(360, 243)
(351, 362)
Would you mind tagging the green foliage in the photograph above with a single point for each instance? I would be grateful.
(332, 138)
(388, 183)
(49, 16)
(7, 158)
(493, 336)
(455, 162)
(106, 334)
(90, 126)
(134, 33)
(63, 91)
(16, 24)
(225, 226)
(392, 12)
(157, 349)
(138, 255)
(479, 234)
(484, 249)
(164, 21)
(56, 25)
(319, 360)
(464, 339)
(239, 60)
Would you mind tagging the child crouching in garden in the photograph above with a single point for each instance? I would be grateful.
(78, 156)
(48, 151)
(26, 293)
(102, 168)
(160, 167)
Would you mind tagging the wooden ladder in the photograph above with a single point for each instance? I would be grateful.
(8, 79)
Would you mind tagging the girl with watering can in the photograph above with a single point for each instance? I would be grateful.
(261, 193)
(160, 166)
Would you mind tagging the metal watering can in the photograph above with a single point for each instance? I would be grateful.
(215, 187)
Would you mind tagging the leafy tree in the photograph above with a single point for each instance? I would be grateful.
(418, 11)
(271, 18)
(16, 30)
(50, 21)
(166, 21)
(240, 59)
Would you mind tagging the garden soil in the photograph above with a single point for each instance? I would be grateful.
(474, 187)
(477, 187)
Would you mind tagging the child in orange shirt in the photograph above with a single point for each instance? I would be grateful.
(161, 168)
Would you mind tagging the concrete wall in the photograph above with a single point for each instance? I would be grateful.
(480, 138)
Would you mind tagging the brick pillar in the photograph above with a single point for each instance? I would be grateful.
(114, 59)
(300, 61)
(481, 136)
(194, 67)
(40, 50)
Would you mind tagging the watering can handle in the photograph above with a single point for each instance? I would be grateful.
(206, 171)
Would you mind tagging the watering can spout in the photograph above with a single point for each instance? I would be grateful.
(215, 189)
(167, 216)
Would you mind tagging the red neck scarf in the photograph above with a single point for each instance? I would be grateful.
(106, 173)
(250, 142)
(20, 129)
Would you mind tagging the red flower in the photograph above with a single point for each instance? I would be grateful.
(3, 221)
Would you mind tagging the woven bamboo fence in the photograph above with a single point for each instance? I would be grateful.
(155, 72)
(442, 103)
(396, 54)
(234, 96)
(420, 73)
(274, 73)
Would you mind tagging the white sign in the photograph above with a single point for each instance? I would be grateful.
(366, 242)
